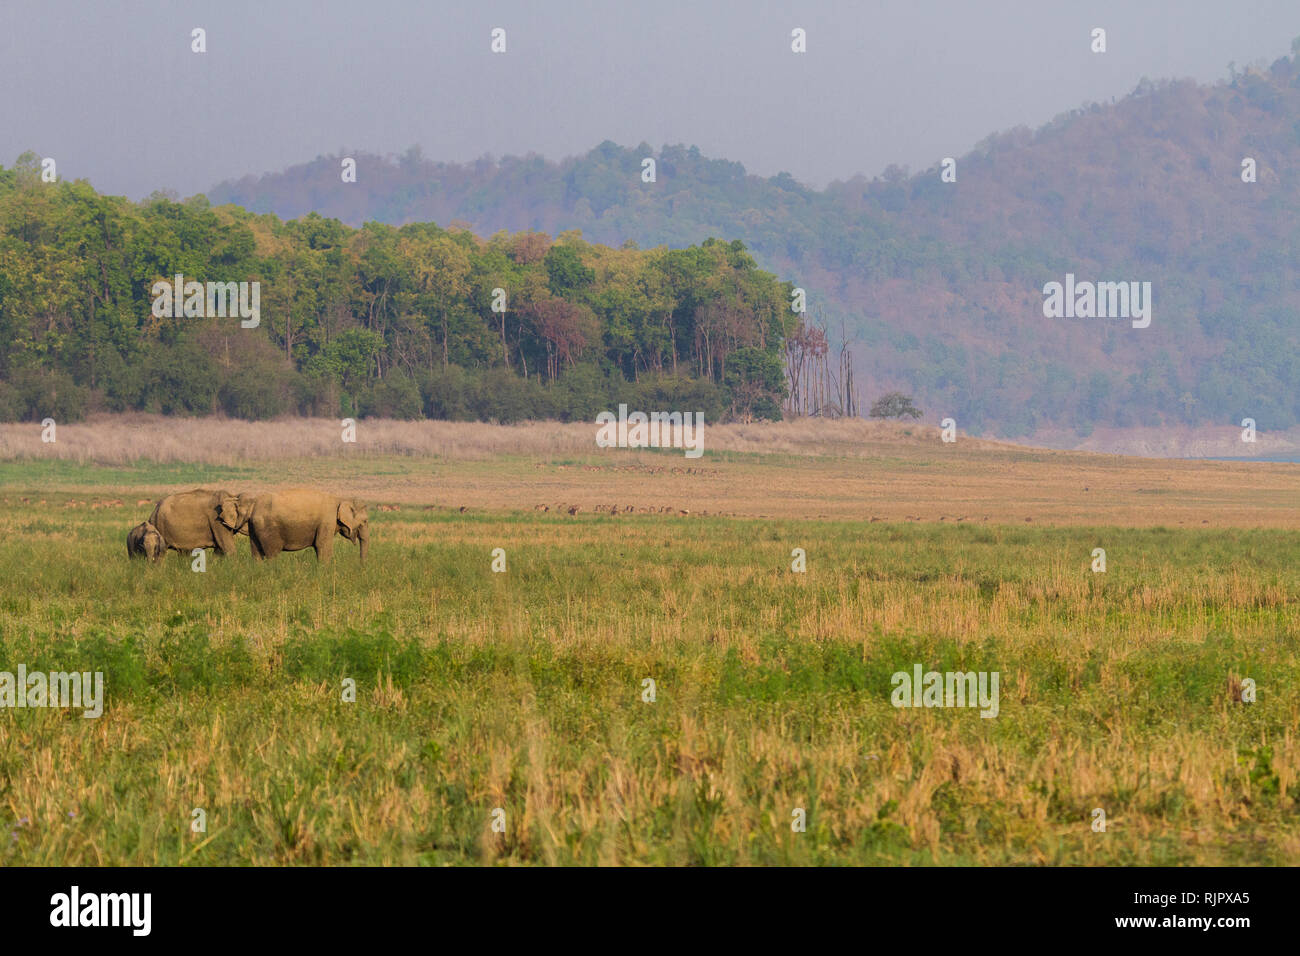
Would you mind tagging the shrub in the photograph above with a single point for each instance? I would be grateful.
(11, 404)
(502, 396)
(894, 405)
(395, 396)
(445, 393)
(180, 378)
(581, 394)
(125, 382)
(35, 394)
(316, 392)
(257, 392)
(669, 393)
(755, 384)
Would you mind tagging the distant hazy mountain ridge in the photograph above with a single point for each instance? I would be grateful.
(940, 284)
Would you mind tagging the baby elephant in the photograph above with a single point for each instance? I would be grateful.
(144, 541)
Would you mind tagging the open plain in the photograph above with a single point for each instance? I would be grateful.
(519, 698)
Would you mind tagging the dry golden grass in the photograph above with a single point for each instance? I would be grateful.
(129, 439)
(810, 469)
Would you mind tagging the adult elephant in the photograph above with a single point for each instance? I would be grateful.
(199, 519)
(144, 541)
(303, 518)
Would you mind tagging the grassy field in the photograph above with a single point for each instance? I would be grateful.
(523, 690)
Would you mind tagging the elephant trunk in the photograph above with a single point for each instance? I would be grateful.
(363, 541)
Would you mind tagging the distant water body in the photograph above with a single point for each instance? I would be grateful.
(1291, 461)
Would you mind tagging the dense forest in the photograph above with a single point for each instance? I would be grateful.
(399, 322)
(938, 285)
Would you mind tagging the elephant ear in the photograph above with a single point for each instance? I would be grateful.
(348, 520)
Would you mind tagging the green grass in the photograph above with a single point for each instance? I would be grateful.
(523, 691)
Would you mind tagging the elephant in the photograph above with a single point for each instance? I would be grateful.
(144, 541)
(303, 518)
(199, 519)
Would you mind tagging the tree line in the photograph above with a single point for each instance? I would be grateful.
(409, 322)
(937, 285)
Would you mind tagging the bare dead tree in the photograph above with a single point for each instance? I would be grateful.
(816, 386)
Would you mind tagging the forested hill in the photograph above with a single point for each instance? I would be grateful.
(398, 322)
(941, 284)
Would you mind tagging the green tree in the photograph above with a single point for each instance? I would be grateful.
(894, 405)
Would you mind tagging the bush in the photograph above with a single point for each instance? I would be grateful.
(504, 397)
(673, 393)
(257, 392)
(316, 393)
(581, 394)
(755, 382)
(393, 397)
(445, 393)
(125, 382)
(36, 394)
(894, 405)
(181, 378)
(11, 404)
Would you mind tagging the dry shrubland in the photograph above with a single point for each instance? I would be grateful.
(126, 439)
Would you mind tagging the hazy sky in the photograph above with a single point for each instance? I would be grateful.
(113, 93)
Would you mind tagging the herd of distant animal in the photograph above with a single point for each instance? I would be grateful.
(275, 521)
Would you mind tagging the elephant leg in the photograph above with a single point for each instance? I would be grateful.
(223, 539)
(324, 544)
(270, 542)
(256, 544)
